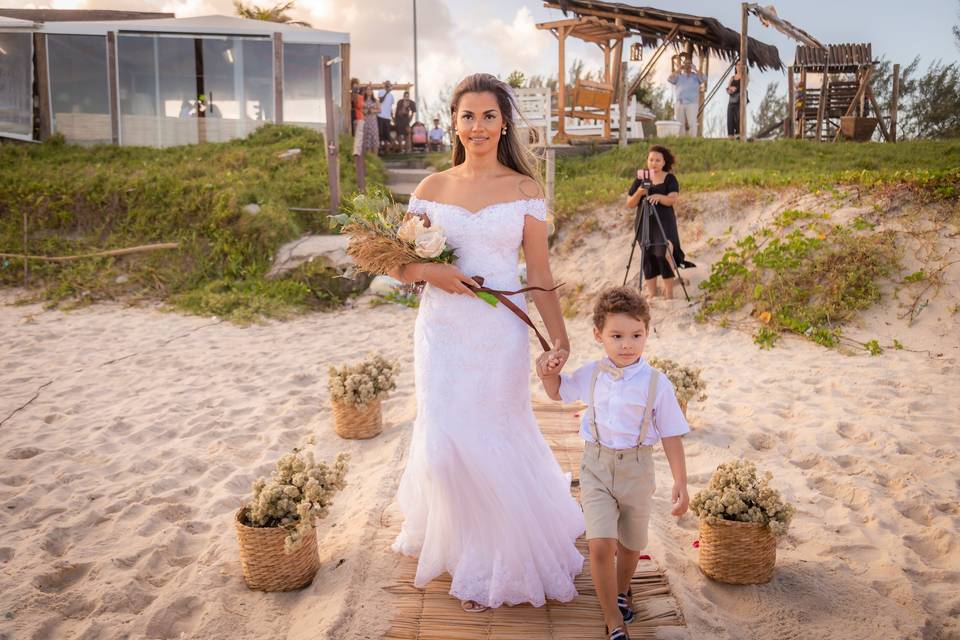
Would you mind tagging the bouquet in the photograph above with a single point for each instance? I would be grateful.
(737, 493)
(362, 383)
(299, 490)
(382, 239)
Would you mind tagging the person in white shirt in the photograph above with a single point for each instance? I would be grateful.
(386, 113)
(436, 136)
(687, 81)
(630, 406)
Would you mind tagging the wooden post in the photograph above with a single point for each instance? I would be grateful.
(617, 59)
(806, 101)
(346, 98)
(606, 61)
(360, 165)
(551, 155)
(26, 254)
(744, 69)
(622, 141)
(278, 78)
(561, 137)
(791, 103)
(333, 154)
(112, 87)
(894, 102)
(705, 73)
(43, 84)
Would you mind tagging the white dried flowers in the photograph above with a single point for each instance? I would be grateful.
(362, 383)
(298, 492)
(687, 383)
(737, 493)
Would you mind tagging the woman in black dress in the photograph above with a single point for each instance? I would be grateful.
(662, 192)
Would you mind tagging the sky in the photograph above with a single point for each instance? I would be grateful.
(458, 37)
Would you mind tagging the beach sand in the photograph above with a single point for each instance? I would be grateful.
(130, 436)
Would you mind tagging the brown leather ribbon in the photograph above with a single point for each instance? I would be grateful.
(501, 296)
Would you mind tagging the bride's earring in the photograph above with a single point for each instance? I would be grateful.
(503, 131)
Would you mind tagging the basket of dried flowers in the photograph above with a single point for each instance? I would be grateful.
(278, 543)
(741, 517)
(356, 391)
(687, 383)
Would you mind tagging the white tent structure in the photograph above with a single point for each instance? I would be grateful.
(164, 81)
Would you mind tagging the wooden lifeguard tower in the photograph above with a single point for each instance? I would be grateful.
(841, 104)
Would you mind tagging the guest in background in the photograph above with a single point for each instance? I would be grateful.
(436, 136)
(406, 110)
(356, 103)
(371, 133)
(688, 81)
(733, 106)
(386, 113)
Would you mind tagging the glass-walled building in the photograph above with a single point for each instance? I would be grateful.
(167, 81)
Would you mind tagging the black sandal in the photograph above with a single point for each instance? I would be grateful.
(625, 604)
(619, 633)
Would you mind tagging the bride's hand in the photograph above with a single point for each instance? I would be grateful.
(449, 278)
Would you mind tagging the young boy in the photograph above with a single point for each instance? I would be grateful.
(630, 406)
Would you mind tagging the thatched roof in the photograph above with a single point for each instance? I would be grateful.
(839, 58)
(79, 15)
(653, 25)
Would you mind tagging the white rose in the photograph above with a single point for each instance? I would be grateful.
(411, 228)
(430, 243)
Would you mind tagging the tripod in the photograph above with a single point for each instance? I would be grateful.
(641, 237)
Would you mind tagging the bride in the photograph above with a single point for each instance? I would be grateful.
(482, 496)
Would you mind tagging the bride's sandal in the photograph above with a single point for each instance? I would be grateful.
(471, 606)
(619, 633)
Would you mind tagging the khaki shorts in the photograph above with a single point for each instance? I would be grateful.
(616, 491)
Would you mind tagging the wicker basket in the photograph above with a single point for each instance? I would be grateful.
(357, 423)
(266, 567)
(737, 552)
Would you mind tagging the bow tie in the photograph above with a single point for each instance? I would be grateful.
(614, 372)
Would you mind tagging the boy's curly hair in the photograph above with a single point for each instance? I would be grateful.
(626, 300)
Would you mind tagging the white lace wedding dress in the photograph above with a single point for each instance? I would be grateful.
(482, 496)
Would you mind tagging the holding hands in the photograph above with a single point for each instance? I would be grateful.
(551, 362)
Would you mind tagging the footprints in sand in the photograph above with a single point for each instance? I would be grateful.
(935, 546)
(23, 453)
(761, 441)
(853, 432)
(63, 576)
(179, 617)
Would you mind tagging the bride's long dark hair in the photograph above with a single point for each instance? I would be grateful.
(511, 152)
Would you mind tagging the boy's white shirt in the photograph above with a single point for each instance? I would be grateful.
(619, 404)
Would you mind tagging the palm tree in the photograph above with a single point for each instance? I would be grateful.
(277, 13)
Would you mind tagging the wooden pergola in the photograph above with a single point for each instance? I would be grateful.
(603, 33)
(658, 29)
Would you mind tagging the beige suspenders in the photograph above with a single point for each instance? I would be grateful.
(647, 410)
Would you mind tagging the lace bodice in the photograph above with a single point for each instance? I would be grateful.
(487, 241)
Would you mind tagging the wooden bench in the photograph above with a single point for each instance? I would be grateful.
(591, 101)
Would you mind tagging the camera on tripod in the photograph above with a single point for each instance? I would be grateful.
(643, 175)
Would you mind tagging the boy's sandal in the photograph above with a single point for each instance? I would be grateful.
(625, 604)
(472, 606)
(619, 633)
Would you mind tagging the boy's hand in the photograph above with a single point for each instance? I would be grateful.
(680, 500)
(551, 362)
